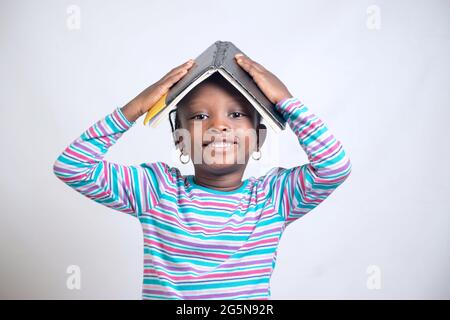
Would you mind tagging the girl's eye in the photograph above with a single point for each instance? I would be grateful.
(237, 114)
(203, 116)
(199, 116)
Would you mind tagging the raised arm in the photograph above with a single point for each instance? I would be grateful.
(129, 189)
(300, 189)
(82, 167)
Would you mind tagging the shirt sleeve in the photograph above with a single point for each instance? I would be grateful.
(128, 189)
(296, 191)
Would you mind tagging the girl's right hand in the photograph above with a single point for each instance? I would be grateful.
(147, 98)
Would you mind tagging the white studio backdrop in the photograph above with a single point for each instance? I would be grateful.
(376, 72)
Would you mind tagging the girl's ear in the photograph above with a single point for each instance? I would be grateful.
(182, 138)
(177, 139)
(261, 131)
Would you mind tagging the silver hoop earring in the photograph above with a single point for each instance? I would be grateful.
(258, 153)
(181, 158)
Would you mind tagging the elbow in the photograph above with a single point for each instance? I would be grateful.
(341, 172)
(62, 171)
(346, 169)
(75, 172)
(58, 168)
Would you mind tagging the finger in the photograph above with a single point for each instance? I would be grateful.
(249, 63)
(250, 68)
(241, 57)
(255, 64)
(259, 66)
(172, 79)
(187, 65)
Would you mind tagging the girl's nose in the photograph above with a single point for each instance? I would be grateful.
(219, 124)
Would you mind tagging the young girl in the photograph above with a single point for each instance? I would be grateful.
(209, 235)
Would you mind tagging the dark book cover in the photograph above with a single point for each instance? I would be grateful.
(220, 57)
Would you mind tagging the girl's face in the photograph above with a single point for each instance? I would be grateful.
(218, 128)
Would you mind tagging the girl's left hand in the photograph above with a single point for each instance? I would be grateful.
(270, 85)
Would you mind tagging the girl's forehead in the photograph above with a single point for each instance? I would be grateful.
(219, 104)
(216, 93)
(215, 90)
(216, 99)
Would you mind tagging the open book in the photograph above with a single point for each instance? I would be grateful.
(219, 57)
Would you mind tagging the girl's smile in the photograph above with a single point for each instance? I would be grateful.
(221, 146)
(221, 143)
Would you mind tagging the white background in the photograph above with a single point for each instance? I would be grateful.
(382, 92)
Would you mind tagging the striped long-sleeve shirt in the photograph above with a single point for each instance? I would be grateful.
(201, 243)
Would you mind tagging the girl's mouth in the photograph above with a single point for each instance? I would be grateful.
(220, 144)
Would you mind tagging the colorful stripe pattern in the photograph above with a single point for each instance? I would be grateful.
(200, 243)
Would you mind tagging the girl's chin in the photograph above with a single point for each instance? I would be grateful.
(223, 156)
(218, 168)
(223, 160)
(220, 162)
